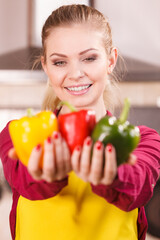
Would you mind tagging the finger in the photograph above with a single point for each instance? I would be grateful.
(34, 161)
(66, 156)
(60, 166)
(85, 157)
(49, 169)
(96, 172)
(12, 154)
(110, 167)
(132, 159)
(75, 159)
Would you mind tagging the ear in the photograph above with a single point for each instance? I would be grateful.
(112, 59)
(43, 64)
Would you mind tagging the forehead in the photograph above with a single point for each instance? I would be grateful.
(75, 36)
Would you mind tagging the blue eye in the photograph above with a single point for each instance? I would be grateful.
(59, 63)
(90, 59)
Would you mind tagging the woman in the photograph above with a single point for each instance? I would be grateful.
(72, 197)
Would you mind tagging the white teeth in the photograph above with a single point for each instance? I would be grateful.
(76, 89)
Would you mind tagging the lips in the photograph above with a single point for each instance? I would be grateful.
(78, 90)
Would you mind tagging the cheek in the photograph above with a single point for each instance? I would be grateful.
(100, 73)
(55, 78)
(101, 78)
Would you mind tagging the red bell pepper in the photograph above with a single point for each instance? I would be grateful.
(76, 126)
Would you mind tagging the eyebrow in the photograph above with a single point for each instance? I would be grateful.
(81, 53)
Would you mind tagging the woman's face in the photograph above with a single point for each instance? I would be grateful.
(77, 65)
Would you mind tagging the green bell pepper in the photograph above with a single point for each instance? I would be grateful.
(118, 132)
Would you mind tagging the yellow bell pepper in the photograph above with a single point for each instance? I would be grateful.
(29, 131)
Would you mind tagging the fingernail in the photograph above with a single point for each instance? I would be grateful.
(109, 147)
(88, 141)
(38, 147)
(78, 148)
(55, 135)
(49, 139)
(98, 145)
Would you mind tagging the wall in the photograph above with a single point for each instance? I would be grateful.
(13, 25)
(136, 27)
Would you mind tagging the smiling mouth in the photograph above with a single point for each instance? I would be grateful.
(79, 88)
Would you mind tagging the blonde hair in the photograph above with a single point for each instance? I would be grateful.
(71, 14)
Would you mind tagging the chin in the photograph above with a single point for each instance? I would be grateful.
(82, 105)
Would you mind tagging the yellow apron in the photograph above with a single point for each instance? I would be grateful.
(76, 213)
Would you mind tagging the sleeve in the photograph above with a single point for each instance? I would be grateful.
(18, 177)
(134, 185)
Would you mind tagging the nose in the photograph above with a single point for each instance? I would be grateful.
(75, 71)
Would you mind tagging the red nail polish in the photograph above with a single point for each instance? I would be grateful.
(109, 147)
(38, 147)
(49, 139)
(55, 135)
(88, 142)
(78, 148)
(99, 145)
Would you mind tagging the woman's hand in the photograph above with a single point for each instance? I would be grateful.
(12, 153)
(95, 170)
(56, 159)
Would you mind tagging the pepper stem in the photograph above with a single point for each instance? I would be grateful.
(29, 112)
(125, 111)
(70, 106)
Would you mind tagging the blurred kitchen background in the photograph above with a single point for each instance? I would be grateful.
(136, 32)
